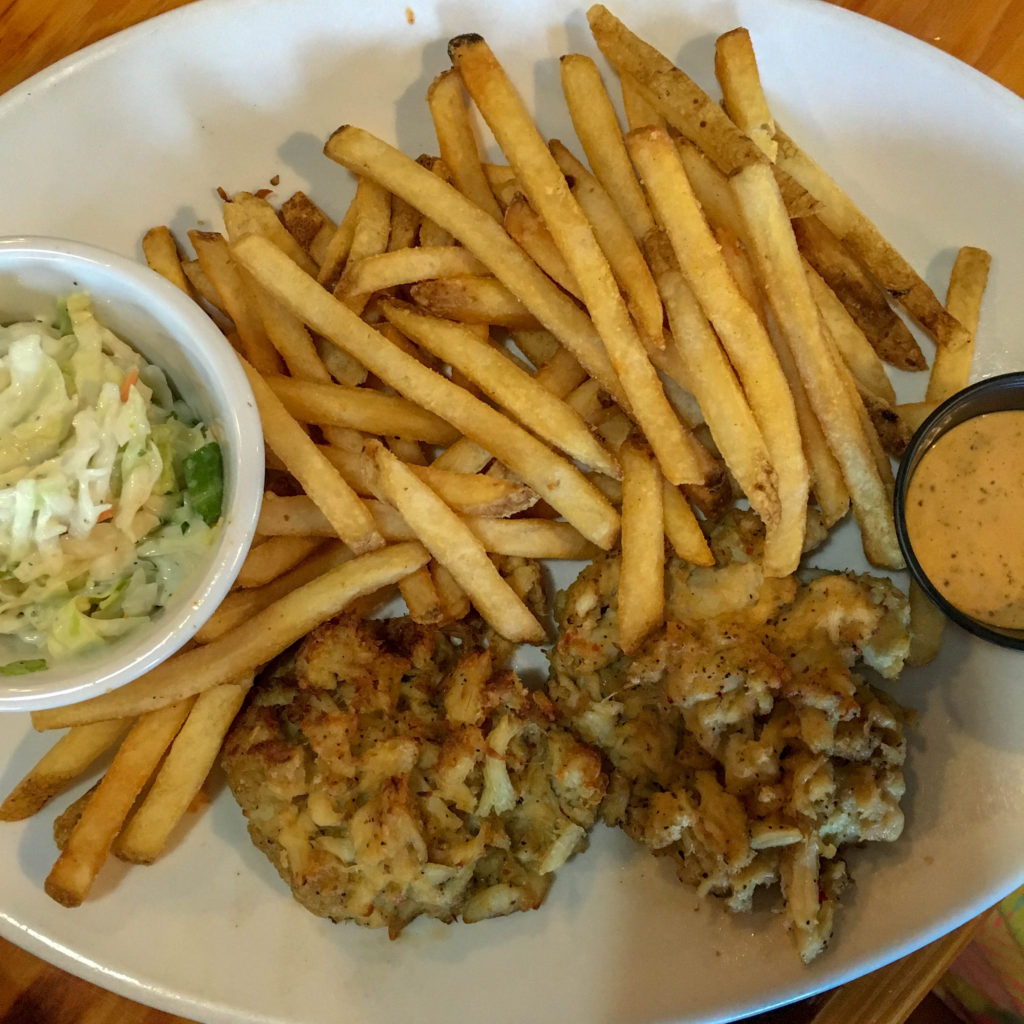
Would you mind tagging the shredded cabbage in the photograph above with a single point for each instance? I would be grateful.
(97, 525)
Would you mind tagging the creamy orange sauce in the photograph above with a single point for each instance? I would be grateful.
(965, 517)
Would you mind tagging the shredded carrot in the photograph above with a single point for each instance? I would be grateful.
(128, 383)
(107, 513)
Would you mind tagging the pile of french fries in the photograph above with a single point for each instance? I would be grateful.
(537, 358)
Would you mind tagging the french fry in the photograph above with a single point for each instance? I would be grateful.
(915, 413)
(406, 266)
(71, 877)
(362, 409)
(250, 645)
(364, 154)
(454, 546)
(69, 758)
(182, 774)
(641, 606)
(849, 224)
(526, 226)
(549, 194)
(682, 530)
(472, 300)
(465, 456)
(859, 294)
(780, 270)
(405, 226)
(215, 258)
(742, 97)
(241, 605)
(288, 336)
(334, 253)
(619, 246)
(339, 503)
(421, 598)
(507, 385)
(457, 141)
(951, 369)
(162, 255)
(685, 106)
(640, 112)
(714, 383)
(858, 354)
(467, 493)
(531, 538)
(743, 336)
(561, 484)
(598, 129)
(273, 557)
(455, 603)
(826, 475)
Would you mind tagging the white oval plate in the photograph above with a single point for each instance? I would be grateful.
(141, 129)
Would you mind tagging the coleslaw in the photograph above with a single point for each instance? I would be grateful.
(110, 489)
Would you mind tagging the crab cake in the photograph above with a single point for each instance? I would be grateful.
(742, 739)
(390, 769)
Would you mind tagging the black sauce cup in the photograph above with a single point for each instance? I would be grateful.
(995, 394)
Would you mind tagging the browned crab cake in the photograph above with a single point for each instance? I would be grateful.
(390, 769)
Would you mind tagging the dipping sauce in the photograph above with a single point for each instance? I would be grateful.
(965, 517)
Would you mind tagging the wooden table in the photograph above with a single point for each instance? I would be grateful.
(988, 34)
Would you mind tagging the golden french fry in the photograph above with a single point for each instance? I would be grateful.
(743, 336)
(682, 530)
(215, 258)
(549, 194)
(421, 597)
(640, 112)
(455, 603)
(859, 294)
(742, 96)
(531, 538)
(952, 367)
(848, 223)
(162, 255)
(527, 227)
(467, 493)
(465, 456)
(915, 413)
(406, 266)
(826, 475)
(457, 141)
(641, 607)
(561, 484)
(673, 93)
(252, 644)
(319, 479)
(360, 409)
(288, 336)
(60, 766)
(450, 541)
(506, 384)
(713, 382)
(273, 557)
(182, 773)
(472, 300)
(598, 129)
(334, 251)
(71, 877)
(241, 605)
(364, 154)
(858, 354)
(619, 246)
